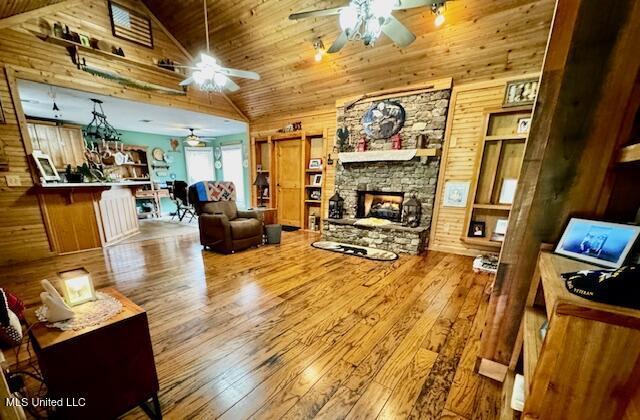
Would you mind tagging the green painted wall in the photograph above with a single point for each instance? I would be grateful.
(177, 166)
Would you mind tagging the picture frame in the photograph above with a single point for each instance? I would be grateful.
(602, 243)
(45, 166)
(520, 92)
(84, 41)
(315, 195)
(508, 191)
(524, 124)
(501, 226)
(122, 25)
(456, 193)
(315, 163)
(77, 286)
(316, 180)
(477, 229)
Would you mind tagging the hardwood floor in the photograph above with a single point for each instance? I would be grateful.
(291, 331)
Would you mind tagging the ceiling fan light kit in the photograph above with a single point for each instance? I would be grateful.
(209, 75)
(366, 20)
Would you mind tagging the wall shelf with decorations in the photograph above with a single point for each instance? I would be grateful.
(497, 169)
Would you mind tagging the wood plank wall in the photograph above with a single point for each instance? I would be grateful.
(462, 138)
(318, 120)
(22, 232)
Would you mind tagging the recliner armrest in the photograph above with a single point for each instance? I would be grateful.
(248, 214)
(217, 219)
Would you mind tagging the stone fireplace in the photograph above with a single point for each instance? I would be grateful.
(378, 188)
(383, 205)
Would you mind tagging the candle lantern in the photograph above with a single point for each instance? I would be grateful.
(411, 212)
(336, 206)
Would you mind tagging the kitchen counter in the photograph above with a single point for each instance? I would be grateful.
(89, 215)
(93, 184)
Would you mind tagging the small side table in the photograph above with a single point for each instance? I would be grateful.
(268, 214)
(111, 364)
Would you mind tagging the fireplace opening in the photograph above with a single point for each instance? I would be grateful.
(383, 205)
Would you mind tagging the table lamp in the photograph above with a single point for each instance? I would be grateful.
(261, 182)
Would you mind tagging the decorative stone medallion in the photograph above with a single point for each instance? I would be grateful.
(383, 119)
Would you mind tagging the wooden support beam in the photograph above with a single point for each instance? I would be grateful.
(588, 75)
(14, 20)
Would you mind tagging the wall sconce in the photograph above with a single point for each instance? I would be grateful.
(319, 47)
(77, 286)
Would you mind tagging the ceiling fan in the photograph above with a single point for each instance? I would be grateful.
(209, 75)
(194, 140)
(366, 19)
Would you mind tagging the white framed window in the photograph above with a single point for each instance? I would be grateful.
(232, 170)
(200, 164)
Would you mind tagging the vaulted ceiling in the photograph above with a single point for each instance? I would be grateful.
(480, 39)
(13, 7)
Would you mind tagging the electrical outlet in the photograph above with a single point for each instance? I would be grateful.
(13, 181)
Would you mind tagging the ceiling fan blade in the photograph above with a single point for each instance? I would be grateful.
(186, 82)
(316, 13)
(398, 33)
(410, 4)
(239, 73)
(231, 85)
(340, 42)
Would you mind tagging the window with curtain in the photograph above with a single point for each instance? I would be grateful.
(200, 164)
(232, 170)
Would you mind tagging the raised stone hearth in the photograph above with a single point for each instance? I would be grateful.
(393, 237)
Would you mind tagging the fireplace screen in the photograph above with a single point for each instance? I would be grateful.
(383, 205)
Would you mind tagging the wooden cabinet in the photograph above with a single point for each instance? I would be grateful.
(497, 169)
(110, 365)
(586, 366)
(63, 143)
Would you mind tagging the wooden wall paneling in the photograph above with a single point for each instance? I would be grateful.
(23, 229)
(479, 40)
(14, 12)
(589, 71)
(466, 122)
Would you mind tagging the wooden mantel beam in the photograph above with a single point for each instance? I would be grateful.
(14, 20)
(588, 75)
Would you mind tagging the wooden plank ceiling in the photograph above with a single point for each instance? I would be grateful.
(14, 7)
(480, 39)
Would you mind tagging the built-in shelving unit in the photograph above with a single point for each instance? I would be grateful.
(496, 172)
(314, 145)
(263, 158)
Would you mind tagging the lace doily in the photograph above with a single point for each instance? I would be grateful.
(87, 314)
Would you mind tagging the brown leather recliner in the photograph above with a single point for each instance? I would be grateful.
(224, 228)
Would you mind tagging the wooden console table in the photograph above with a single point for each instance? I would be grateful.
(588, 364)
(111, 365)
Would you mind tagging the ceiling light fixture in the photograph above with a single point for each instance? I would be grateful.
(99, 128)
(319, 47)
(192, 140)
(438, 10)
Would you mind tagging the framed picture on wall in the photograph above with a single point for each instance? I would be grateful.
(520, 92)
(456, 193)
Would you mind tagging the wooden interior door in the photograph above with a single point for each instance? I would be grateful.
(289, 182)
